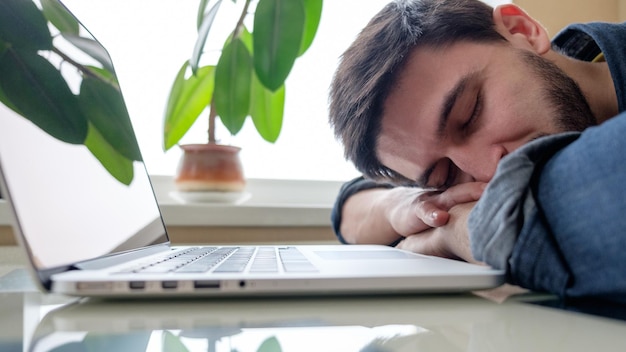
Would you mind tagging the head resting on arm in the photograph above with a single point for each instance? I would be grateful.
(370, 66)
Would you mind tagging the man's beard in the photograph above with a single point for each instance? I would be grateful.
(571, 109)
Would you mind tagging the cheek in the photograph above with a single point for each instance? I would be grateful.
(510, 122)
(519, 107)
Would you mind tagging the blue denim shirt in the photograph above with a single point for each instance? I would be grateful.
(553, 215)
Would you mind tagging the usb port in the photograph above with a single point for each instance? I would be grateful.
(137, 285)
(169, 284)
(206, 284)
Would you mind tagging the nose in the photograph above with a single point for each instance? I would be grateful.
(478, 163)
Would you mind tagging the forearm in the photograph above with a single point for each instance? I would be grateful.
(387, 215)
(364, 219)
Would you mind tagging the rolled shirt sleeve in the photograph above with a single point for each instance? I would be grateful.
(553, 215)
(507, 217)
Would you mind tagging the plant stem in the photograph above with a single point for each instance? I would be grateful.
(236, 33)
(84, 70)
(212, 116)
(68, 59)
(239, 25)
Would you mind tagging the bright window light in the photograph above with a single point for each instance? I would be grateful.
(149, 41)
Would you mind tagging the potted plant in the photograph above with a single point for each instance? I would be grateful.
(248, 80)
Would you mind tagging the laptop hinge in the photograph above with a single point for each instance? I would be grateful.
(119, 258)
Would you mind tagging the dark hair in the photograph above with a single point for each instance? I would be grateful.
(371, 65)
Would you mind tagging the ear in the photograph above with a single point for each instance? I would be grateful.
(520, 29)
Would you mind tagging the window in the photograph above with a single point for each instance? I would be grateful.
(149, 40)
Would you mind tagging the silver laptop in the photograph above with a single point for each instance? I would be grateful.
(86, 214)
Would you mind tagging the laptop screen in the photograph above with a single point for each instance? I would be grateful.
(69, 159)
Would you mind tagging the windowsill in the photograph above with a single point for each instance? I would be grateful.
(272, 203)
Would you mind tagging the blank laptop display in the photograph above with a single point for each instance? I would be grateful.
(85, 212)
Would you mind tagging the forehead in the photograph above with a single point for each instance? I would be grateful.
(412, 110)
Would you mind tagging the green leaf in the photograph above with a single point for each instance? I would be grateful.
(266, 110)
(115, 163)
(4, 46)
(103, 75)
(233, 77)
(4, 100)
(91, 48)
(278, 29)
(246, 38)
(39, 93)
(172, 343)
(104, 107)
(203, 33)
(271, 344)
(313, 14)
(58, 15)
(23, 26)
(188, 98)
(201, 10)
(3, 96)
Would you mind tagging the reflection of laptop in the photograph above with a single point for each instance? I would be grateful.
(464, 323)
(86, 213)
(401, 324)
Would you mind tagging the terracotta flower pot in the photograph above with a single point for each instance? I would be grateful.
(209, 168)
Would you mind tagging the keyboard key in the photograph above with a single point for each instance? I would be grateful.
(265, 261)
(207, 262)
(227, 260)
(237, 262)
(294, 261)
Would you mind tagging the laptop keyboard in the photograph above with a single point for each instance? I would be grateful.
(228, 260)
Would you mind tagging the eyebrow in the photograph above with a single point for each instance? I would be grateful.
(449, 101)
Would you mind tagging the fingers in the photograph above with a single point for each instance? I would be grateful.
(408, 213)
(458, 194)
(461, 193)
(426, 242)
(448, 241)
(431, 214)
(413, 211)
(432, 208)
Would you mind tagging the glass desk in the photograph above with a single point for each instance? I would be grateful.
(31, 321)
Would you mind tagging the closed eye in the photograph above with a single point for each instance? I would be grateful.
(466, 127)
(449, 178)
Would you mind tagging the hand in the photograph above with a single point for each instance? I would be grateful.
(448, 241)
(411, 211)
(383, 216)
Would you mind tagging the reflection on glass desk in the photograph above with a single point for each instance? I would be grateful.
(401, 323)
